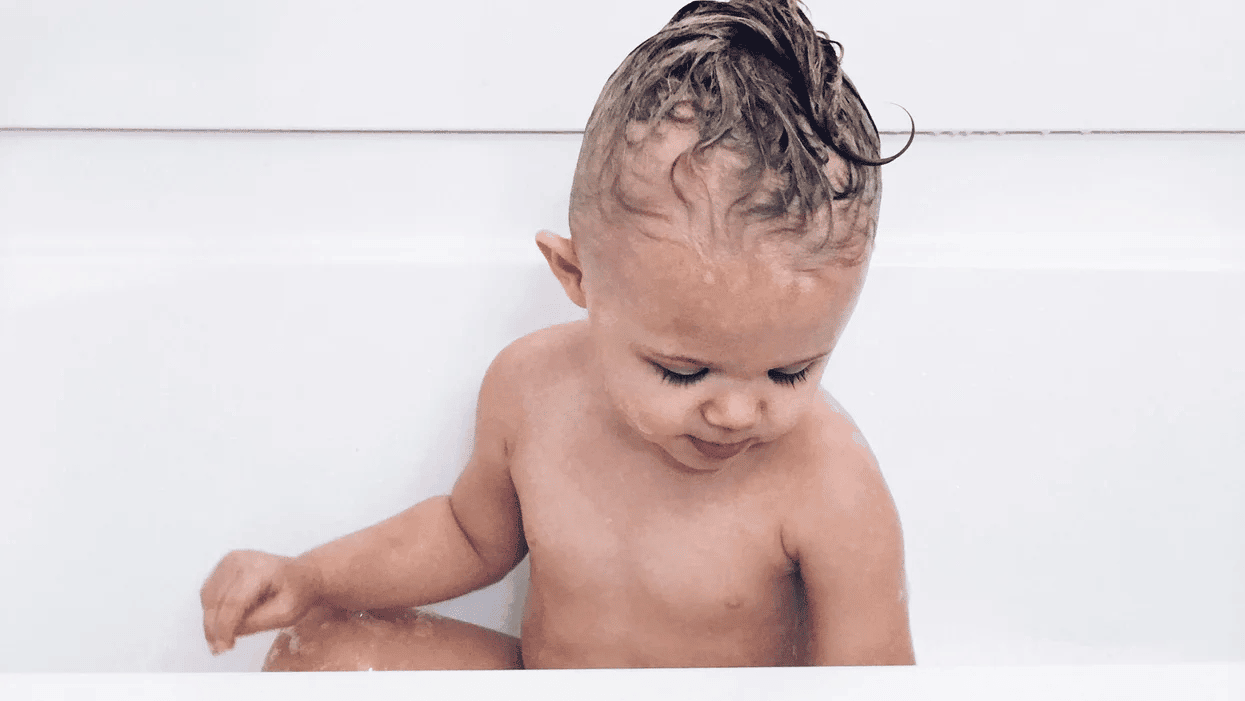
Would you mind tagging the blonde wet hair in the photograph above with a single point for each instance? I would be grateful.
(757, 79)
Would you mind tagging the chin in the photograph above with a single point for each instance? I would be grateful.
(682, 458)
(689, 459)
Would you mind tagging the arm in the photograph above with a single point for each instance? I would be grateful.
(846, 538)
(438, 549)
(445, 546)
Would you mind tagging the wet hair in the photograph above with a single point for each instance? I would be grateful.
(761, 82)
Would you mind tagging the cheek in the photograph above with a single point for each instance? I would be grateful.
(664, 414)
(787, 410)
(654, 409)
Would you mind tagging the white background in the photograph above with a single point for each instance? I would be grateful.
(220, 340)
(497, 64)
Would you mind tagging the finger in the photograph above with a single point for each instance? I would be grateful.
(220, 582)
(278, 612)
(211, 585)
(233, 605)
(225, 571)
(208, 616)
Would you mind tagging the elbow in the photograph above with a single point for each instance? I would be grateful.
(496, 568)
(494, 559)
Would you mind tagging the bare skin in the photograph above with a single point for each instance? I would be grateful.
(687, 493)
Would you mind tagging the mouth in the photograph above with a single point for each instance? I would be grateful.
(719, 451)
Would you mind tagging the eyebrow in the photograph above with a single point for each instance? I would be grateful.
(701, 364)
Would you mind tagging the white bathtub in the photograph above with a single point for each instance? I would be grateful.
(211, 342)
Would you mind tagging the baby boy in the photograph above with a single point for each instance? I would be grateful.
(687, 493)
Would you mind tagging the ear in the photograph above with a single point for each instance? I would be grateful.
(564, 262)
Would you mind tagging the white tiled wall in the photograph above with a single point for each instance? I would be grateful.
(495, 64)
(221, 340)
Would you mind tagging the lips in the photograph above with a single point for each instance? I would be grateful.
(719, 451)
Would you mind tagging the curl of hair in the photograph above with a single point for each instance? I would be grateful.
(762, 82)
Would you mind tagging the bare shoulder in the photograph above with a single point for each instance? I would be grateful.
(531, 367)
(843, 533)
(517, 387)
(541, 355)
(838, 485)
(515, 390)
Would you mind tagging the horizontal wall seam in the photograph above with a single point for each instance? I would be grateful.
(579, 132)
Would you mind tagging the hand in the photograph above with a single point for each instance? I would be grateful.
(251, 591)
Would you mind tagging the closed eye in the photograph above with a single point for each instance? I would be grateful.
(789, 378)
(679, 378)
(780, 376)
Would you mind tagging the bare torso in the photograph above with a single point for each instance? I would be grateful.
(637, 563)
(792, 555)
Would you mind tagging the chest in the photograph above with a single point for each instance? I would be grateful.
(601, 519)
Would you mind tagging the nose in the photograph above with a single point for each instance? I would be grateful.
(732, 410)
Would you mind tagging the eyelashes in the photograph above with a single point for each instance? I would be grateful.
(789, 379)
(675, 378)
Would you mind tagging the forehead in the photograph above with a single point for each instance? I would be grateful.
(749, 306)
(675, 253)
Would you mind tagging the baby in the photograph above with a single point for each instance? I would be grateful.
(686, 492)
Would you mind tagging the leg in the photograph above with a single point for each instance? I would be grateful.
(333, 639)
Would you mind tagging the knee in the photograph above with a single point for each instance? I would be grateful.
(325, 640)
(329, 639)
